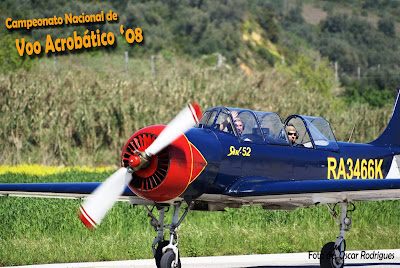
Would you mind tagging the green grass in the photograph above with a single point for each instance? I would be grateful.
(70, 176)
(41, 230)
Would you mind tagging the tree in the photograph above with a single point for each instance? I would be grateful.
(335, 24)
(386, 25)
(265, 18)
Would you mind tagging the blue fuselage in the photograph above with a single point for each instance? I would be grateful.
(229, 160)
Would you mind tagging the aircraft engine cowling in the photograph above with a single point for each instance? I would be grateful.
(169, 172)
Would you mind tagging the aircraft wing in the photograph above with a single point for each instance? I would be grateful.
(288, 195)
(77, 190)
(270, 194)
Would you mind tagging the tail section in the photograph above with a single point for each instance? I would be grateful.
(391, 135)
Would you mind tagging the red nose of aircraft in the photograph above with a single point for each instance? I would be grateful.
(145, 159)
(167, 174)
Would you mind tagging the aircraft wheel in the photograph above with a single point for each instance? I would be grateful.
(326, 258)
(168, 260)
(158, 254)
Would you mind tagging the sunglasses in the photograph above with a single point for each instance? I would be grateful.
(292, 133)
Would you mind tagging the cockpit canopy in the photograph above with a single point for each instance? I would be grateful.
(258, 127)
(266, 127)
(313, 132)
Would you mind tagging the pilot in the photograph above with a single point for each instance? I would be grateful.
(235, 120)
(292, 133)
(239, 126)
(237, 123)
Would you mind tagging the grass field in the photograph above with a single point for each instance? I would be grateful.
(40, 230)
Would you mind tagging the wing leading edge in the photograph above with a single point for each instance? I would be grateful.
(55, 190)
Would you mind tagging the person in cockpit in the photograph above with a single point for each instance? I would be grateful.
(237, 122)
(239, 126)
(292, 134)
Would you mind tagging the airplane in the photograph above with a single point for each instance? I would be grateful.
(207, 162)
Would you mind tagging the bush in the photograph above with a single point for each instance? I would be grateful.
(375, 98)
(319, 78)
(10, 60)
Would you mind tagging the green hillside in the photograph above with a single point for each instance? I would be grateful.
(360, 36)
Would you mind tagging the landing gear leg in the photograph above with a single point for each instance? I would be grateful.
(166, 254)
(332, 254)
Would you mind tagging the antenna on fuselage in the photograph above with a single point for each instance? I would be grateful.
(352, 131)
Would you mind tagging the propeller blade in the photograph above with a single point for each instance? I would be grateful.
(186, 119)
(93, 210)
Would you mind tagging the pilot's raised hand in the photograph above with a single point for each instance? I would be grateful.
(228, 120)
(234, 115)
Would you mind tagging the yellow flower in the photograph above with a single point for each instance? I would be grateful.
(41, 170)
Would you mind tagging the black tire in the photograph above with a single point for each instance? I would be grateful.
(326, 257)
(158, 254)
(168, 258)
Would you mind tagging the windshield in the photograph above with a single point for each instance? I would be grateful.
(272, 128)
